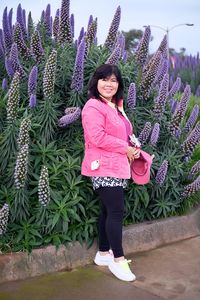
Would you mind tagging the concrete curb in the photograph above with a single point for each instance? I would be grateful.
(136, 238)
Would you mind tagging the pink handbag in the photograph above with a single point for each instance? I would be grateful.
(140, 168)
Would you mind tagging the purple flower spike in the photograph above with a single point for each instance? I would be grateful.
(192, 118)
(90, 35)
(150, 73)
(2, 51)
(125, 56)
(4, 214)
(180, 111)
(25, 128)
(173, 105)
(21, 21)
(4, 84)
(56, 25)
(32, 101)
(162, 172)
(194, 170)
(112, 33)
(10, 14)
(15, 60)
(81, 35)
(175, 87)
(71, 115)
(65, 34)
(121, 42)
(8, 66)
(163, 48)
(43, 187)
(163, 69)
(142, 50)
(90, 21)
(50, 75)
(72, 24)
(115, 56)
(155, 134)
(77, 77)
(30, 25)
(32, 81)
(13, 99)
(36, 46)
(159, 106)
(21, 167)
(47, 20)
(144, 134)
(131, 99)
(191, 188)
(19, 40)
(191, 142)
(6, 32)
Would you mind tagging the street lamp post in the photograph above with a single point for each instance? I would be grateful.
(167, 30)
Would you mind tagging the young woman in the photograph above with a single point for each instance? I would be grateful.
(107, 161)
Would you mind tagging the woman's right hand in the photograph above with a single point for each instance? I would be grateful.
(133, 153)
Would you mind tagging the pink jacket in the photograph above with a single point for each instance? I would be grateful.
(105, 141)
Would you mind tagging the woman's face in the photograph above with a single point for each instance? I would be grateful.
(107, 87)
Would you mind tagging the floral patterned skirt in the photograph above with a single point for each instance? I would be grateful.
(98, 182)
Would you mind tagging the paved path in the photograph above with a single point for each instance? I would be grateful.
(171, 272)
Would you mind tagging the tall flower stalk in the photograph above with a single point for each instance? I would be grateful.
(7, 36)
(160, 101)
(149, 76)
(43, 187)
(4, 214)
(145, 133)
(112, 33)
(180, 111)
(25, 127)
(20, 206)
(194, 170)
(77, 77)
(20, 173)
(50, 74)
(16, 66)
(131, 98)
(191, 188)
(19, 40)
(65, 34)
(13, 99)
(175, 87)
(115, 56)
(162, 172)
(155, 134)
(36, 46)
(191, 141)
(90, 35)
(56, 25)
(192, 118)
(71, 115)
(32, 86)
(142, 50)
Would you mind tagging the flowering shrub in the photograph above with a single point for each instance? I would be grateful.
(44, 74)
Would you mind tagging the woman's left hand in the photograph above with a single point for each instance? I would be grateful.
(136, 153)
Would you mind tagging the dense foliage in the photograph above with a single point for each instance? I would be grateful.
(44, 73)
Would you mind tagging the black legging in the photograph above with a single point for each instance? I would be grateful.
(110, 219)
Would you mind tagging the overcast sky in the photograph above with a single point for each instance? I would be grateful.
(135, 14)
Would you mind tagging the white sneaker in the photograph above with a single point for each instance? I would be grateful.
(121, 270)
(103, 260)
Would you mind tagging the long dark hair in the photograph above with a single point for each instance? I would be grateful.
(103, 72)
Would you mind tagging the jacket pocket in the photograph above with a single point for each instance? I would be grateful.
(111, 162)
